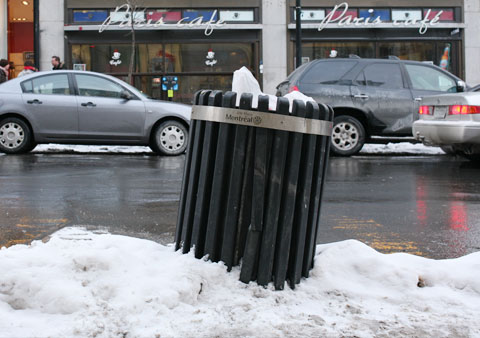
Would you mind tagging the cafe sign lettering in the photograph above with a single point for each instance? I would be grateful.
(125, 12)
(339, 16)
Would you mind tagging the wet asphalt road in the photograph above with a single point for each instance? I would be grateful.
(428, 206)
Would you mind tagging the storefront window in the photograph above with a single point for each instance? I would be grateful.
(152, 58)
(102, 58)
(321, 50)
(189, 61)
(208, 57)
(188, 86)
(418, 51)
(442, 54)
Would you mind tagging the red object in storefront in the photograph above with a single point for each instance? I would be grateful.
(447, 14)
(165, 16)
(21, 37)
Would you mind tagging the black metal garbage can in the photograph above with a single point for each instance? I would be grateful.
(253, 183)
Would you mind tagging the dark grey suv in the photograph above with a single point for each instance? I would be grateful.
(371, 97)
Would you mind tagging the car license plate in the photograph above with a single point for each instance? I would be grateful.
(440, 112)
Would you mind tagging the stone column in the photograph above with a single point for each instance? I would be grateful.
(52, 41)
(274, 43)
(3, 30)
(472, 42)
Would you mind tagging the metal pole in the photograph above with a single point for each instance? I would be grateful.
(298, 27)
(36, 33)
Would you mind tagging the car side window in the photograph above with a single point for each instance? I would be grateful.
(427, 78)
(48, 85)
(89, 85)
(328, 72)
(383, 75)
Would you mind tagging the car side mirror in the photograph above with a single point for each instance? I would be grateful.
(126, 95)
(461, 86)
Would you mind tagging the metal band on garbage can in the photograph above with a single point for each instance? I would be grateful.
(262, 120)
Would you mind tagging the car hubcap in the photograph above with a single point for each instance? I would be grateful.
(172, 138)
(11, 135)
(345, 136)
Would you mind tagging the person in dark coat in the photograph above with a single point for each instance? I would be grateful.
(4, 67)
(57, 64)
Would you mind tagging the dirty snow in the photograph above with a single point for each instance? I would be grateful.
(84, 284)
(383, 149)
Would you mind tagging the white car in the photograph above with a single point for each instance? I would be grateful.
(451, 121)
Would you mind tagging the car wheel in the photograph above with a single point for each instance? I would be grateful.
(348, 136)
(170, 138)
(15, 136)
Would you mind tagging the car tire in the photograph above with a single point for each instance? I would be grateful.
(15, 136)
(169, 138)
(348, 136)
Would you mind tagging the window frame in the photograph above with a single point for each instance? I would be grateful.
(71, 86)
(434, 68)
(327, 62)
(77, 89)
(402, 74)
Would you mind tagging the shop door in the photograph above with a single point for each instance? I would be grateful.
(381, 92)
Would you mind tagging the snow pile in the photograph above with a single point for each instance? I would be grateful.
(401, 148)
(53, 148)
(384, 149)
(96, 284)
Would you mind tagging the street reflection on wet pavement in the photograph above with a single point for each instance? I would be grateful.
(427, 206)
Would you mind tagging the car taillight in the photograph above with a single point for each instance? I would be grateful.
(463, 110)
(293, 89)
(425, 110)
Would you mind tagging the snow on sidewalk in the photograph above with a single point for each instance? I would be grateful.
(82, 284)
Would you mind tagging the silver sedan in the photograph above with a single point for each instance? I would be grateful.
(76, 107)
(451, 121)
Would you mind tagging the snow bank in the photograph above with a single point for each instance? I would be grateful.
(401, 148)
(53, 148)
(384, 149)
(97, 284)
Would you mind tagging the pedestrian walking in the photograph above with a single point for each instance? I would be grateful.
(57, 64)
(28, 68)
(4, 67)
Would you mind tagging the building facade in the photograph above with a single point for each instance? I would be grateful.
(202, 43)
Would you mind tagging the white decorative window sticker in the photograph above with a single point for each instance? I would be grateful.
(115, 61)
(211, 58)
(310, 14)
(406, 15)
(241, 16)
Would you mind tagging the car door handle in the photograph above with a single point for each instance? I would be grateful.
(34, 101)
(360, 96)
(418, 99)
(89, 104)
